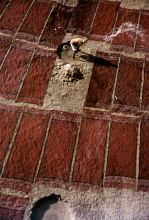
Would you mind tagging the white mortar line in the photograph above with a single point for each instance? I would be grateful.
(106, 151)
(75, 152)
(142, 84)
(23, 19)
(94, 16)
(135, 40)
(42, 150)
(138, 153)
(11, 144)
(5, 9)
(13, 39)
(115, 83)
(46, 22)
(6, 55)
(26, 72)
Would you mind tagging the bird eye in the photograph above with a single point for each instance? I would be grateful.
(65, 47)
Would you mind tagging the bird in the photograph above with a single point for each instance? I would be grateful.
(74, 44)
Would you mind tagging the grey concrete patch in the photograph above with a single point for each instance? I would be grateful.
(69, 3)
(66, 92)
(135, 4)
(104, 204)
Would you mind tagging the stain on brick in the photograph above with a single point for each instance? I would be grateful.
(90, 151)
(13, 71)
(56, 26)
(27, 147)
(8, 122)
(129, 82)
(105, 19)
(14, 15)
(35, 20)
(122, 150)
(145, 101)
(143, 33)
(36, 81)
(82, 17)
(102, 81)
(144, 150)
(57, 157)
(126, 25)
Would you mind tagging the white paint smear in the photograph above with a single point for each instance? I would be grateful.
(124, 28)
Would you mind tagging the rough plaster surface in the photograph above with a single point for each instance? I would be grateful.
(104, 204)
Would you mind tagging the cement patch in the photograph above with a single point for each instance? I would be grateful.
(104, 204)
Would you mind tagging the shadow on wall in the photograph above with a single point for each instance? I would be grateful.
(42, 206)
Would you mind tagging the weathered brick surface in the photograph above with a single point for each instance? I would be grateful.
(12, 207)
(129, 82)
(13, 202)
(4, 45)
(8, 214)
(143, 33)
(145, 100)
(35, 20)
(127, 23)
(105, 19)
(56, 26)
(122, 150)
(14, 14)
(144, 150)
(35, 83)
(8, 122)
(90, 152)
(82, 17)
(3, 5)
(102, 81)
(57, 157)
(27, 147)
(13, 71)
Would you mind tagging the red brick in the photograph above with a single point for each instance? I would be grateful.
(56, 26)
(3, 5)
(81, 23)
(122, 150)
(14, 14)
(27, 147)
(8, 122)
(15, 185)
(127, 21)
(145, 101)
(104, 20)
(102, 82)
(57, 157)
(144, 150)
(129, 82)
(143, 33)
(13, 202)
(4, 45)
(35, 20)
(13, 70)
(35, 83)
(8, 214)
(90, 152)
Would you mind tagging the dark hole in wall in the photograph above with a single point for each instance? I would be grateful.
(42, 205)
